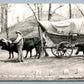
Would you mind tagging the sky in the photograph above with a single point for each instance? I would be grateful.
(23, 11)
(18, 10)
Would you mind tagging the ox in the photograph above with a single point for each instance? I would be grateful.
(80, 48)
(29, 44)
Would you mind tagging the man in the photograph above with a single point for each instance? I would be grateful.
(19, 43)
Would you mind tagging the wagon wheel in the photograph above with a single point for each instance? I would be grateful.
(66, 48)
(56, 53)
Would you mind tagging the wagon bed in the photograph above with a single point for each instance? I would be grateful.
(72, 38)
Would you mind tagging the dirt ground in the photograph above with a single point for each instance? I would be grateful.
(45, 68)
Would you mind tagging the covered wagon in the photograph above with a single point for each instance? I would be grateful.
(63, 35)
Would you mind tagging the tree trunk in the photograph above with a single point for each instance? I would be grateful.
(2, 19)
(6, 14)
(41, 11)
(69, 11)
(49, 12)
(35, 8)
(39, 29)
(38, 19)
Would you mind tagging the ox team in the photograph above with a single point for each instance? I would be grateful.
(20, 44)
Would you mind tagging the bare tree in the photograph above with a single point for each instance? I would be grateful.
(40, 10)
(39, 29)
(6, 15)
(49, 12)
(2, 19)
(69, 10)
(35, 5)
(38, 7)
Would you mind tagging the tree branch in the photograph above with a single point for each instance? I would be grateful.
(80, 10)
(33, 12)
(56, 9)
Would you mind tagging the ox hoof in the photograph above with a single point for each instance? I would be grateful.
(22, 60)
(35, 56)
(18, 61)
(46, 55)
(25, 57)
(30, 56)
(12, 57)
(38, 57)
(9, 58)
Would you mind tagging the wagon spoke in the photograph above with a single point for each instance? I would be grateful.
(60, 53)
(54, 51)
(66, 47)
(68, 52)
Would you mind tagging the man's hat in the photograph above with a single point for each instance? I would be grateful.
(18, 32)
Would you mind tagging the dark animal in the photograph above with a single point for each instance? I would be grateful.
(6, 46)
(80, 48)
(29, 44)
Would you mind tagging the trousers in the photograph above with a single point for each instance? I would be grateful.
(20, 55)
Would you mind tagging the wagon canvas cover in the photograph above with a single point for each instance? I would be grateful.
(62, 28)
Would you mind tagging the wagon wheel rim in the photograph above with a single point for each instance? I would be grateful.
(57, 53)
(69, 51)
(60, 53)
(53, 50)
(66, 48)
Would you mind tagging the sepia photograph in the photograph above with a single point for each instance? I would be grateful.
(41, 42)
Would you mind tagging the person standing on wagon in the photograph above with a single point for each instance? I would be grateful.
(19, 43)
